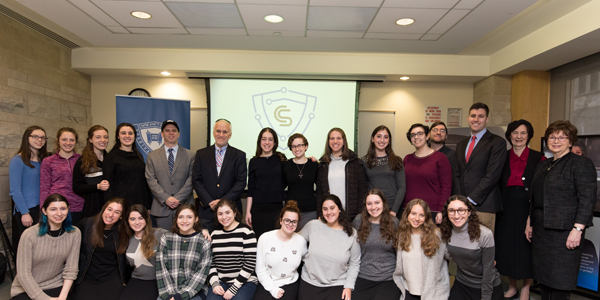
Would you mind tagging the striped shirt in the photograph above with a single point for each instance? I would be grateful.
(182, 264)
(234, 257)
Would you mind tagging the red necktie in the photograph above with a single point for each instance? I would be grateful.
(471, 147)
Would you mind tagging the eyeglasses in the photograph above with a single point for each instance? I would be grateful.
(297, 146)
(560, 138)
(460, 211)
(418, 134)
(37, 137)
(287, 221)
(438, 130)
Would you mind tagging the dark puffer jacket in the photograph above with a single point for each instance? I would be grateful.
(356, 185)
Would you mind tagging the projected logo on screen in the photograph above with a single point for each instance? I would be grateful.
(148, 136)
(287, 112)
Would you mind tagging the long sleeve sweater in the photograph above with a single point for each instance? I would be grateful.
(265, 179)
(277, 261)
(475, 260)
(378, 256)
(391, 182)
(24, 184)
(143, 268)
(182, 265)
(126, 174)
(333, 257)
(44, 262)
(56, 176)
(428, 178)
(234, 257)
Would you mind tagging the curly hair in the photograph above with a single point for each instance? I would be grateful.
(430, 240)
(89, 160)
(394, 160)
(343, 218)
(386, 227)
(446, 226)
(148, 239)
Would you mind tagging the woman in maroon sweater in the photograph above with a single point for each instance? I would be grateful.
(428, 172)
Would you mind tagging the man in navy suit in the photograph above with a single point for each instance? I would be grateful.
(219, 172)
(480, 159)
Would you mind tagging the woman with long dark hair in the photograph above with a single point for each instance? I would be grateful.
(341, 173)
(385, 169)
(46, 262)
(124, 168)
(471, 246)
(102, 260)
(87, 174)
(24, 177)
(421, 270)
(265, 183)
(333, 259)
(377, 238)
(56, 175)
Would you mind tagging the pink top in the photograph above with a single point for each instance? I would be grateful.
(428, 178)
(56, 176)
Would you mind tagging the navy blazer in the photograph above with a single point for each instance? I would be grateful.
(209, 185)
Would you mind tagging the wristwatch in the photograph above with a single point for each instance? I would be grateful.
(578, 229)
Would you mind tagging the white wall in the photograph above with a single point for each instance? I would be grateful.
(408, 99)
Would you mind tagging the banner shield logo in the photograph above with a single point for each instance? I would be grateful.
(148, 136)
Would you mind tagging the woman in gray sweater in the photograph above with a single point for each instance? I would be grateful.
(333, 259)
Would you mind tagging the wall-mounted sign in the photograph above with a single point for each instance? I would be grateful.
(454, 117)
(433, 114)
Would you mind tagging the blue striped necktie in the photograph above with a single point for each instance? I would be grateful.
(171, 160)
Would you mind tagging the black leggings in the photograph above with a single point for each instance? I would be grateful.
(55, 292)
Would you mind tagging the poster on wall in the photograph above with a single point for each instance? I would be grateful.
(147, 115)
(454, 117)
(588, 269)
(433, 114)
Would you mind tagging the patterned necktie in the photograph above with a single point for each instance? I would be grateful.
(219, 157)
(471, 146)
(171, 160)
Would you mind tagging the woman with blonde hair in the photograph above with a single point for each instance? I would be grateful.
(421, 270)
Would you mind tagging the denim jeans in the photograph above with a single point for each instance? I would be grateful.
(246, 292)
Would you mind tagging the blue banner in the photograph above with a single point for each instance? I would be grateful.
(148, 114)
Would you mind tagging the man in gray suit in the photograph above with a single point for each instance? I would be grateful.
(169, 176)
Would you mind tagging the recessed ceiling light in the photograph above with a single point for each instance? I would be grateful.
(404, 78)
(405, 21)
(165, 73)
(274, 19)
(277, 33)
(141, 15)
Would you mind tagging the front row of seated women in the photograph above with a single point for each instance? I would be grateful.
(376, 257)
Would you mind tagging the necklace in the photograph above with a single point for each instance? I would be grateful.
(552, 164)
(300, 171)
(106, 236)
(60, 231)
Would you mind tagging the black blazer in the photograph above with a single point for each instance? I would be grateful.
(229, 184)
(478, 179)
(569, 192)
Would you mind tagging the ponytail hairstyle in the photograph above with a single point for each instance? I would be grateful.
(25, 149)
(290, 206)
(148, 239)
(66, 224)
(98, 227)
(60, 132)
(89, 160)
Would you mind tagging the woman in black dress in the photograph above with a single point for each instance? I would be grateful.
(300, 176)
(87, 174)
(124, 168)
(562, 206)
(265, 183)
(513, 251)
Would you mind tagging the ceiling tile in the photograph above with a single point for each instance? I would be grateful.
(467, 4)
(278, 2)
(449, 20)
(385, 21)
(294, 17)
(347, 3)
(420, 3)
(93, 11)
(158, 30)
(335, 34)
(206, 15)
(121, 12)
(217, 31)
(292, 33)
(202, 1)
(117, 29)
(431, 37)
(340, 18)
(393, 36)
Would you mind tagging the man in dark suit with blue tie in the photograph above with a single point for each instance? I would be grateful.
(219, 172)
(480, 159)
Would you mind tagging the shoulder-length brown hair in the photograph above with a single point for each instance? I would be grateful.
(89, 160)
(98, 227)
(60, 132)
(430, 241)
(25, 149)
(270, 130)
(343, 218)
(148, 239)
(197, 225)
(387, 228)
(345, 151)
(394, 160)
(446, 226)
(133, 146)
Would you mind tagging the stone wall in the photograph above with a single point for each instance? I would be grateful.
(495, 91)
(37, 87)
